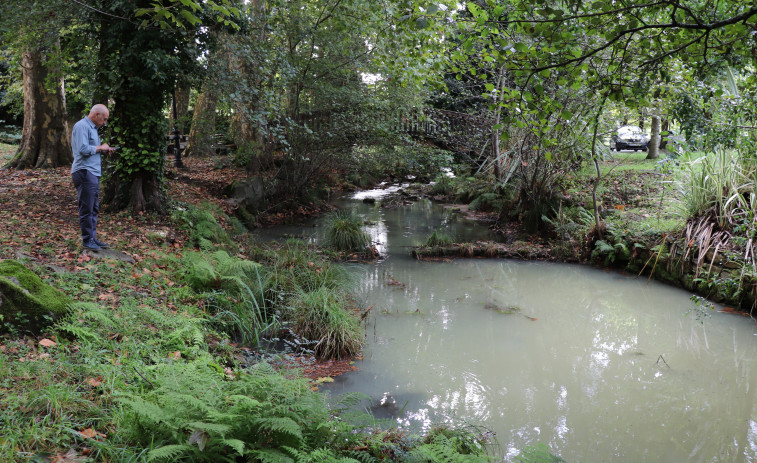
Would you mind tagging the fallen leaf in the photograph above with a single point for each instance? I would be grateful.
(94, 382)
(47, 343)
(90, 433)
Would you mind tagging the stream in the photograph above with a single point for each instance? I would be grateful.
(599, 366)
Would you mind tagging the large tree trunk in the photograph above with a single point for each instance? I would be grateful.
(200, 141)
(654, 141)
(44, 141)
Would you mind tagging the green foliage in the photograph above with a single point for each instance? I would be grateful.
(323, 315)
(193, 413)
(487, 202)
(205, 232)
(242, 280)
(10, 135)
(439, 238)
(399, 161)
(442, 186)
(344, 232)
(296, 267)
(613, 249)
(702, 308)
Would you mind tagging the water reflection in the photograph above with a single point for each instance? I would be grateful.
(610, 369)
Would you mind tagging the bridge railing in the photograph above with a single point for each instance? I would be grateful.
(455, 131)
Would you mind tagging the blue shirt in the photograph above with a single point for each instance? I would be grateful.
(84, 142)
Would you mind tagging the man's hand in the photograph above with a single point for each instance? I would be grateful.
(104, 148)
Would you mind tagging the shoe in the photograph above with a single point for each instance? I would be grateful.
(100, 243)
(91, 245)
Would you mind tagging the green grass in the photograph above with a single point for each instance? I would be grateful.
(439, 238)
(344, 232)
(6, 153)
(620, 162)
(322, 315)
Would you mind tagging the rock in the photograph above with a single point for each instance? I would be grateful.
(26, 301)
(248, 194)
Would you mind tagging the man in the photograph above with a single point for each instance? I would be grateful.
(86, 172)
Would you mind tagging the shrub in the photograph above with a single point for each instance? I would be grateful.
(442, 186)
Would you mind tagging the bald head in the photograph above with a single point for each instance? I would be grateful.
(99, 115)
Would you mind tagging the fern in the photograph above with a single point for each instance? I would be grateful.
(286, 429)
(76, 324)
(82, 333)
(204, 230)
(190, 334)
(245, 306)
(168, 452)
(361, 456)
(444, 449)
(235, 444)
(270, 456)
(210, 427)
(94, 313)
(146, 411)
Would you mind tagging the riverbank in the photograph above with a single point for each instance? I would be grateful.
(645, 227)
(153, 359)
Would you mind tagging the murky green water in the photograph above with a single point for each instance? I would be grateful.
(597, 365)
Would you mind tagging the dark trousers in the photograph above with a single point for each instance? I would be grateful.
(88, 196)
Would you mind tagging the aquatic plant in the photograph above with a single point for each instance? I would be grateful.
(344, 232)
(467, 250)
(439, 238)
(322, 315)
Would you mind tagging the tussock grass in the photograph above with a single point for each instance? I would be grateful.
(439, 238)
(344, 232)
(322, 315)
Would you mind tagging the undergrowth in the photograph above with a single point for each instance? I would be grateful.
(144, 367)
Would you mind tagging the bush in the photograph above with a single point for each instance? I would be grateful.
(442, 186)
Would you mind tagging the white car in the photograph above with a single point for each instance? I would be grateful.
(629, 137)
